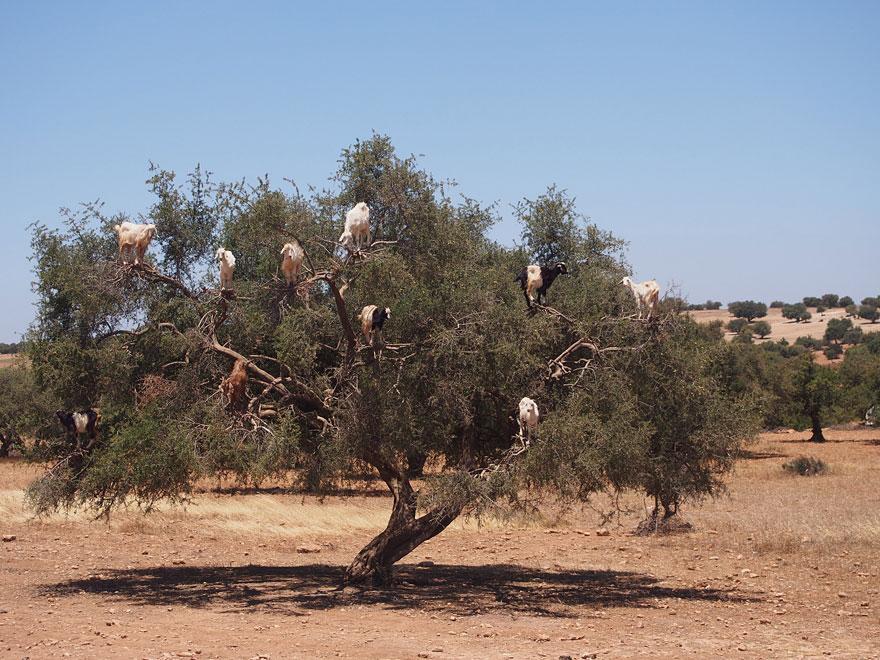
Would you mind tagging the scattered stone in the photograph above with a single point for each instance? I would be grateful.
(303, 549)
(425, 564)
(603, 532)
(8, 538)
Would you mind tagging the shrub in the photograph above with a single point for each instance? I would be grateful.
(871, 301)
(745, 335)
(747, 309)
(830, 300)
(852, 310)
(713, 304)
(836, 328)
(806, 466)
(820, 309)
(736, 325)
(761, 328)
(796, 312)
(833, 351)
(695, 307)
(809, 342)
(868, 312)
(852, 336)
(812, 301)
(777, 304)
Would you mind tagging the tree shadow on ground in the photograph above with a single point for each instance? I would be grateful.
(747, 454)
(499, 588)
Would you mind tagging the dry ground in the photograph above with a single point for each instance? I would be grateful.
(783, 328)
(784, 567)
(9, 359)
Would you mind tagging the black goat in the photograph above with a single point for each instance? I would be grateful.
(537, 279)
(78, 423)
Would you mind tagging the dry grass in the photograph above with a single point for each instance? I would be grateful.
(8, 360)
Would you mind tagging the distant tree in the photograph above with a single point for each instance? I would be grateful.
(830, 300)
(713, 304)
(836, 329)
(796, 312)
(815, 390)
(871, 301)
(747, 309)
(845, 301)
(812, 301)
(14, 347)
(777, 304)
(852, 336)
(868, 312)
(745, 335)
(735, 325)
(761, 328)
(809, 342)
(852, 310)
(820, 309)
(833, 351)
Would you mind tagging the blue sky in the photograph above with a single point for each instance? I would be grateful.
(735, 145)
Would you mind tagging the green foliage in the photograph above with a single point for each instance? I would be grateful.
(830, 300)
(737, 324)
(812, 301)
(852, 310)
(747, 309)
(833, 351)
(761, 328)
(14, 347)
(871, 301)
(820, 309)
(809, 342)
(777, 304)
(869, 313)
(713, 304)
(852, 336)
(26, 410)
(805, 466)
(796, 312)
(845, 301)
(836, 329)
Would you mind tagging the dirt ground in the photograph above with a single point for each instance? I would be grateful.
(782, 328)
(784, 566)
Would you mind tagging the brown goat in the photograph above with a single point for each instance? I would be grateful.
(235, 385)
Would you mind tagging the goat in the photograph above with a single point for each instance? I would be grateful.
(134, 237)
(871, 416)
(291, 260)
(227, 266)
(537, 279)
(646, 294)
(528, 419)
(234, 386)
(78, 423)
(357, 228)
(372, 320)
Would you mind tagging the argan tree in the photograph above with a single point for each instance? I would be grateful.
(626, 403)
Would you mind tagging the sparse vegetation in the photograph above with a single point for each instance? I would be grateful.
(805, 466)
(796, 312)
(747, 309)
(762, 329)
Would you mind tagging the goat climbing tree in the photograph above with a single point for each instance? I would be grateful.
(151, 344)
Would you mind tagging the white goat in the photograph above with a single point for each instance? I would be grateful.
(227, 266)
(357, 228)
(528, 419)
(135, 238)
(647, 294)
(291, 260)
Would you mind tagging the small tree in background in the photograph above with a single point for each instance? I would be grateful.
(713, 304)
(777, 304)
(815, 388)
(812, 301)
(762, 329)
(830, 300)
(836, 329)
(852, 336)
(735, 325)
(845, 301)
(809, 342)
(868, 312)
(833, 351)
(852, 310)
(871, 301)
(796, 312)
(820, 309)
(747, 309)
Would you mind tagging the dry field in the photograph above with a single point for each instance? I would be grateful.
(7, 360)
(783, 328)
(784, 566)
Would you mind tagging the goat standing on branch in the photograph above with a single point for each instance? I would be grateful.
(77, 424)
(528, 419)
(372, 320)
(357, 228)
(535, 279)
(646, 294)
(134, 238)
(227, 266)
(235, 385)
(291, 261)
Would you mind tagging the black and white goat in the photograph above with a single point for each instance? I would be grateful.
(79, 423)
(372, 321)
(535, 279)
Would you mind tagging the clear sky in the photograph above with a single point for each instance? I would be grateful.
(736, 145)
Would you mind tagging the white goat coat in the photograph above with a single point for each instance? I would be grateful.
(227, 267)
(528, 416)
(134, 237)
(534, 281)
(357, 228)
(646, 294)
(291, 260)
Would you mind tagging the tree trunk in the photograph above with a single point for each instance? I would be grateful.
(401, 536)
(817, 429)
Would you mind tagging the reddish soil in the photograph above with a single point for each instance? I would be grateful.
(784, 566)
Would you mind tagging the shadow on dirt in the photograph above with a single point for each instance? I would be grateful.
(459, 589)
(747, 454)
